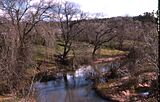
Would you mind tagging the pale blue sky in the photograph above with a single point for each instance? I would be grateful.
(112, 8)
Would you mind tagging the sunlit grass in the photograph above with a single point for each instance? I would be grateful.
(8, 99)
(110, 52)
(42, 53)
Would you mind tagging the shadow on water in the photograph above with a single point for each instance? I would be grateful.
(76, 87)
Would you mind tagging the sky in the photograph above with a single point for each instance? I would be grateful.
(112, 8)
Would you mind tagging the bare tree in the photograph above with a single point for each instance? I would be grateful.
(69, 18)
(21, 16)
(150, 38)
(99, 34)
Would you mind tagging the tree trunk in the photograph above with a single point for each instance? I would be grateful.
(94, 53)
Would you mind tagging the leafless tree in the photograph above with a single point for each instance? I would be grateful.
(99, 34)
(21, 17)
(147, 50)
(69, 18)
(151, 41)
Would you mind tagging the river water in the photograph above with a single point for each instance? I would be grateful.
(77, 89)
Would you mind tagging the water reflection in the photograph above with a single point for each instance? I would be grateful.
(78, 88)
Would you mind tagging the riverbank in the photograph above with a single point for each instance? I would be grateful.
(47, 71)
(119, 90)
(12, 98)
(115, 90)
(6, 98)
(111, 90)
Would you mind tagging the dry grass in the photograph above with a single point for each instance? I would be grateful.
(8, 99)
(123, 90)
(42, 53)
(111, 52)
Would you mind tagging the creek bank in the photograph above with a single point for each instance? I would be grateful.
(116, 91)
(6, 98)
(109, 59)
(45, 74)
(49, 75)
